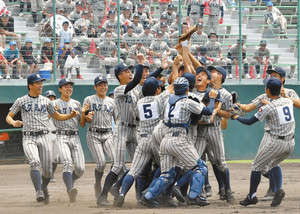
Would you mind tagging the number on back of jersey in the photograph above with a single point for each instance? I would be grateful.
(285, 114)
(148, 111)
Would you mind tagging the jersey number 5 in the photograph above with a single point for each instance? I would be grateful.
(147, 111)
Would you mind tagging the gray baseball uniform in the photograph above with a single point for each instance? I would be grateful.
(125, 129)
(146, 39)
(213, 18)
(99, 136)
(37, 147)
(67, 135)
(278, 142)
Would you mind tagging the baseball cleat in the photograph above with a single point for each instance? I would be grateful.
(72, 195)
(268, 196)
(208, 191)
(102, 201)
(177, 193)
(119, 201)
(248, 201)
(46, 196)
(199, 201)
(222, 194)
(148, 203)
(229, 197)
(40, 196)
(279, 195)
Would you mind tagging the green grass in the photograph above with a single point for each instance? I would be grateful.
(250, 161)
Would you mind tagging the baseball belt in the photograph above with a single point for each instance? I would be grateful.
(99, 130)
(67, 132)
(281, 137)
(127, 124)
(35, 134)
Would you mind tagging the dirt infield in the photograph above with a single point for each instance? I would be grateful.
(17, 194)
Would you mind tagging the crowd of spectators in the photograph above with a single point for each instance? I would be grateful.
(143, 29)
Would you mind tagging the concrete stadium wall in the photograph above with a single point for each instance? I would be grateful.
(241, 142)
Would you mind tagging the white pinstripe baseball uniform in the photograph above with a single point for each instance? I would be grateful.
(69, 144)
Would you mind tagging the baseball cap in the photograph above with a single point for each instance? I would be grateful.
(50, 93)
(220, 70)
(150, 86)
(28, 40)
(78, 3)
(263, 42)
(163, 24)
(63, 82)
(212, 34)
(121, 67)
(277, 70)
(140, 5)
(274, 85)
(202, 69)
(110, 93)
(136, 15)
(159, 32)
(181, 84)
(111, 12)
(100, 79)
(269, 4)
(11, 43)
(65, 22)
(32, 78)
(200, 25)
(171, 6)
(147, 26)
(85, 12)
(191, 78)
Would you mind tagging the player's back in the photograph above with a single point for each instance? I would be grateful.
(150, 113)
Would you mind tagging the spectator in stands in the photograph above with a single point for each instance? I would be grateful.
(68, 7)
(3, 66)
(125, 17)
(194, 11)
(214, 51)
(27, 57)
(112, 20)
(171, 14)
(274, 17)
(146, 37)
(163, 19)
(159, 49)
(22, 4)
(109, 28)
(107, 53)
(234, 55)
(125, 4)
(134, 51)
(37, 6)
(48, 8)
(92, 33)
(72, 62)
(215, 17)
(75, 14)
(129, 38)
(82, 25)
(261, 57)
(63, 54)
(7, 29)
(137, 26)
(163, 5)
(142, 15)
(174, 25)
(165, 30)
(98, 9)
(12, 56)
(64, 34)
(47, 51)
(199, 38)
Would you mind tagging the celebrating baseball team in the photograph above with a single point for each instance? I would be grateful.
(168, 130)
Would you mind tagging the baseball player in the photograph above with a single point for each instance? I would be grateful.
(98, 8)
(52, 96)
(146, 37)
(136, 24)
(34, 110)
(261, 57)
(175, 145)
(67, 136)
(214, 137)
(125, 128)
(100, 111)
(274, 17)
(149, 114)
(171, 14)
(215, 16)
(130, 37)
(276, 145)
(234, 55)
(158, 49)
(261, 100)
(134, 51)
